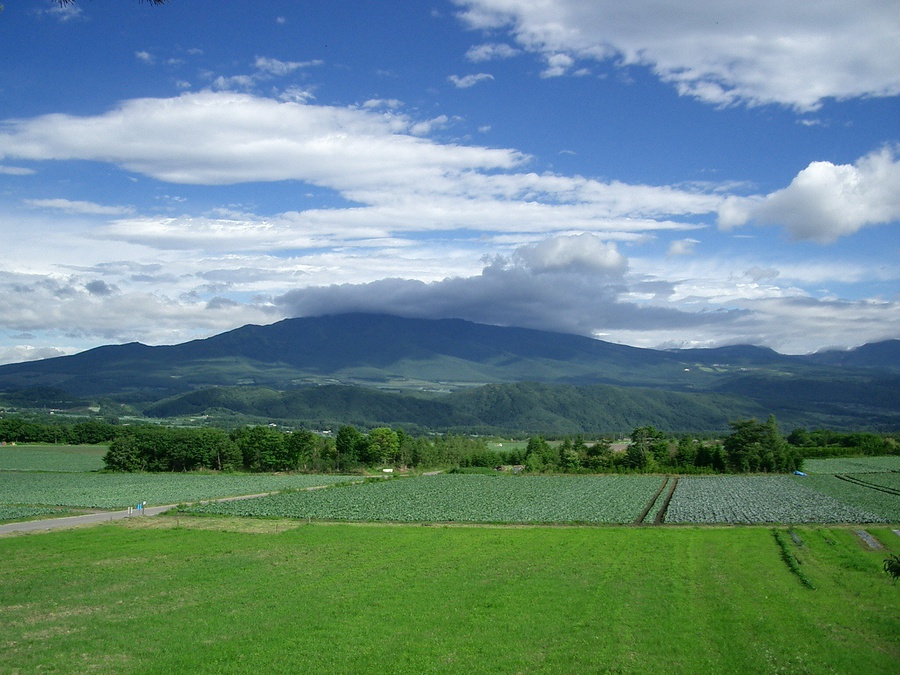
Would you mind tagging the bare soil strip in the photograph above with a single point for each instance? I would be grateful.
(870, 541)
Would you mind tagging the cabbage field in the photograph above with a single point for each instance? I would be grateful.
(570, 499)
(463, 499)
(37, 481)
(759, 499)
(119, 490)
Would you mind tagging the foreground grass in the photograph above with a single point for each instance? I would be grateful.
(219, 595)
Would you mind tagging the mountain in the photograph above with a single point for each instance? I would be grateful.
(415, 359)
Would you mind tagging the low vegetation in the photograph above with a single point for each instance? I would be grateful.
(117, 491)
(154, 595)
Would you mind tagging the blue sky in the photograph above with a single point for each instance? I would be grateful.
(646, 173)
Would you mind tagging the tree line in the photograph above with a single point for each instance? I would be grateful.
(753, 446)
(264, 448)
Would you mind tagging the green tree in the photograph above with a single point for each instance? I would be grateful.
(539, 456)
(686, 452)
(758, 446)
(569, 458)
(124, 454)
(382, 446)
(647, 443)
(262, 448)
(599, 455)
(300, 448)
(346, 445)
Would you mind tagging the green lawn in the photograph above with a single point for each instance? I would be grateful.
(169, 595)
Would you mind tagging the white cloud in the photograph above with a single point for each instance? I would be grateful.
(80, 207)
(144, 57)
(15, 171)
(391, 103)
(720, 51)
(234, 83)
(467, 81)
(370, 157)
(491, 51)
(826, 201)
(61, 13)
(280, 68)
(584, 252)
(682, 247)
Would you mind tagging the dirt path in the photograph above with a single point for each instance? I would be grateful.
(107, 516)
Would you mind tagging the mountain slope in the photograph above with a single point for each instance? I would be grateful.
(859, 387)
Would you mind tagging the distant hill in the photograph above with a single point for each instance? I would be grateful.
(409, 360)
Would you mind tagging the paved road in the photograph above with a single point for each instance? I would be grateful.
(105, 516)
(71, 521)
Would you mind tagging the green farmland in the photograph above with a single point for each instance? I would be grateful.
(159, 595)
(62, 458)
(294, 589)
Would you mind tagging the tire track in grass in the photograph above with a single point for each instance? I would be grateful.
(864, 483)
(640, 519)
(661, 514)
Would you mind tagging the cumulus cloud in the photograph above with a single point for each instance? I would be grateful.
(467, 81)
(723, 52)
(682, 247)
(826, 201)
(584, 252)
(549, 286)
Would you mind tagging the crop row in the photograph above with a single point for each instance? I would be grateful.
(109, 491)
(463, 498)
(758, 499)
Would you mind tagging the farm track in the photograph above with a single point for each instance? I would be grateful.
(640, 519)
(661, 514)
(107, 516)
(864, 483)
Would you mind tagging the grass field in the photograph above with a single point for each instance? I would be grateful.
(63, 458)
(167, 595)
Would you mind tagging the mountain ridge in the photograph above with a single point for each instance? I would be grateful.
(403, 356)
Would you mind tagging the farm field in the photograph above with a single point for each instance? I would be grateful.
(64, 458)
(852, 465)
(574, 499)
(885, 504)
(240, 596)
(758, 499)
(113, 491)
(463, 498)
